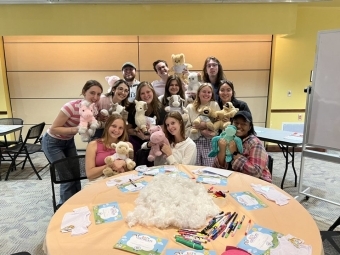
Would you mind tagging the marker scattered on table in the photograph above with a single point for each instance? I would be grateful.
(248, 227)
(134, 184)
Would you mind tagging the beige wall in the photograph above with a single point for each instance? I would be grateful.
(46, 72)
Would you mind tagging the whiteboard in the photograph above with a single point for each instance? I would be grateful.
(323, 128)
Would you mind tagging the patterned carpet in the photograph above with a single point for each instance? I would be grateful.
(26, 206)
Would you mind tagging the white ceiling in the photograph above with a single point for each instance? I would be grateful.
(154, 1)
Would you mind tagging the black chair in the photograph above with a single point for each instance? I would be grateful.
(270, 164)
(25, 149)
(142, 158)
(21, 253)
(331, 239)
(65, 170)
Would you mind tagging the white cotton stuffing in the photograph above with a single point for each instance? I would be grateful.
(172, 200)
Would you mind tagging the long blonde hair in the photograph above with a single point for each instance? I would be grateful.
(197, 101)
(105, 138)
(156, 105)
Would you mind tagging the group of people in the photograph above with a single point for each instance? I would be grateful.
(185, 146)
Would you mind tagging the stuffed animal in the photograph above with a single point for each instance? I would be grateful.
(206, 114)
(111, 80)
(178, 66)
(192, 87)
(176, 104)
(229, 134)
(88, 124)
(140, 118)
(227, 112)
(116, 108)
(157, 139)
(122, 152)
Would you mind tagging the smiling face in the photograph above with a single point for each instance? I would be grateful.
(173, 126)
(161, 69)
(120, 93)
(225, 92)
(243, 126)
(173, 87)
(129, 73)
(205, 94)
(92, 94)
(146, 94)
(116, 129)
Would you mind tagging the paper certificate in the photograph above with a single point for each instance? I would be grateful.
(212, 180)
(107, 213)
(248, 200)
(132, 187)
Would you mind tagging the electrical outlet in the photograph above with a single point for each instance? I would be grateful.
(289, 93)
(299, 116)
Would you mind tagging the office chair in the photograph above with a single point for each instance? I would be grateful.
(331, 239)
(67, 170)
(25, 149)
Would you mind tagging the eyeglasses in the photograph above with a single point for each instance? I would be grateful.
(212, 65)
(121, 89)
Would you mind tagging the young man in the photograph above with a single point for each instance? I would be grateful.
(161, 68)
(129, 74)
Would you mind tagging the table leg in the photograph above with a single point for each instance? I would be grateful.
(285, 153)
(292, 154)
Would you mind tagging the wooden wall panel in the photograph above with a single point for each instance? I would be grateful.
(258, 107)
(233, 56)
(54, 84)
(72, 39)
(69, 56)
(204, 39)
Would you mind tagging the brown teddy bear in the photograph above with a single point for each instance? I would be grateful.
(123, 151)
(206, 114)
(227, 112)
(178, 66)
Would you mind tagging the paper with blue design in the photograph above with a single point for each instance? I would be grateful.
(132, 186)
(108, 212)
(248, 200)
(140, 243)
(188, 252)
(212, 180)
(263, 241)
(166, 169)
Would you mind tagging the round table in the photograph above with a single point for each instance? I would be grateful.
(292, 219)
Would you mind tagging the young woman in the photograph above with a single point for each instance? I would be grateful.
(213, 73)
(202, 138)
(58, 142)
(182, 150)
(98, 150)
(118, 94)
(173, 86)
(146, 93)
(227, 94)
(253, 161)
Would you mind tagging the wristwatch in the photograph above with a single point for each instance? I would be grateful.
(235, 153)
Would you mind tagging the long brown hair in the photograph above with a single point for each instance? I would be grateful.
(197, 101)
(105, 139)
(124, 102)
(177, 116)
(89, 84)
(167, 94)
(155, 103)
(220, 74)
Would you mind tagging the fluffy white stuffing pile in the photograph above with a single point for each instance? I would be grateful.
(172, 200)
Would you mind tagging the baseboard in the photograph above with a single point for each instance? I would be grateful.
(276, 148)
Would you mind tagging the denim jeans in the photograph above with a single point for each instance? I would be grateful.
(56, 149)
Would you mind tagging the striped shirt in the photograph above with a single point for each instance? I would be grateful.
(71, 110)
(253, 161)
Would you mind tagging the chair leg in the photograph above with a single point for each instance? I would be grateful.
(35, 170)
(335, 224)
(12, 165)
(53, 197)
(23, 165)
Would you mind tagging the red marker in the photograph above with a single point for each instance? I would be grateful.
(248, 227)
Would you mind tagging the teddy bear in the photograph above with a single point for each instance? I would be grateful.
(206, 114)
(192, 86)
(178, 66)
(140, 118)
(229, 134)
(157, 139)
(227, 112)
(176, 104)
(88, 124)
(123, 151)
(111, 80)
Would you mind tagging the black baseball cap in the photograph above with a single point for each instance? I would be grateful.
(244, 114)
(128, 64)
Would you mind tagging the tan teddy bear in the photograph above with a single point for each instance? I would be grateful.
(227, 112)
(178, 66)
(206, 114)
(123, 151)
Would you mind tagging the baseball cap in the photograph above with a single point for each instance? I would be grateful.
(244, 114)
(129, 64)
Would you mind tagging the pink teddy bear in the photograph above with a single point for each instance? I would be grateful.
(157, 139)
(88, 124)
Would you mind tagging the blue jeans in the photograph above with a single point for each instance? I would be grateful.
(56, 149)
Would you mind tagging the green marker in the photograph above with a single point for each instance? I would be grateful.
(240, 225)
(189, 243)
